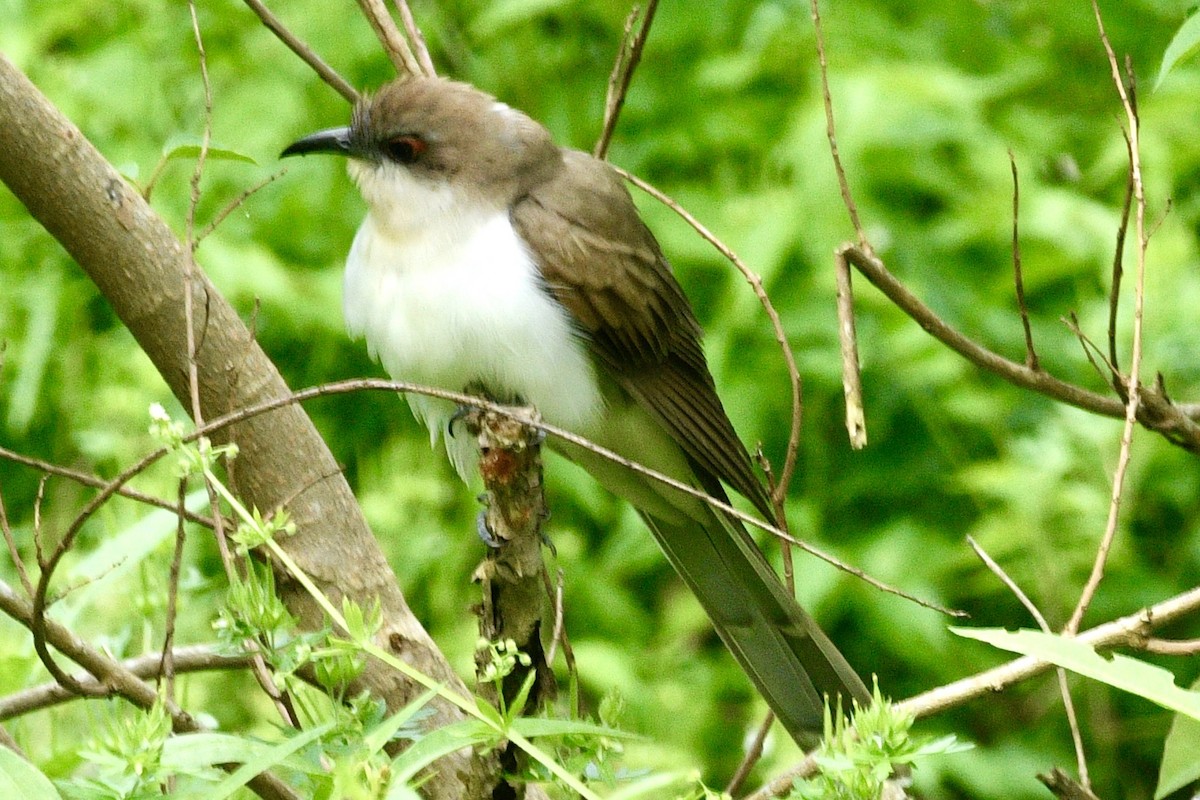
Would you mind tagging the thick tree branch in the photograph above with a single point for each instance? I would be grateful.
(139, 266)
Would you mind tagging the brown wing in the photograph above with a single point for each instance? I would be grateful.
(602, 263)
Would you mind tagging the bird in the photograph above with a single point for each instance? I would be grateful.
(493, 259)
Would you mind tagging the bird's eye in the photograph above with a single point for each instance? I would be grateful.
(404, 149)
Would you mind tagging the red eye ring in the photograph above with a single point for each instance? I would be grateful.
(405, 148)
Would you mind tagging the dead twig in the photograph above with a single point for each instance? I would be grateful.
(856, 415)
(1174, 422)
(1031, 359)
(756, 284)
(193, 658)
(628, 57)
(418, 39)
(323, 70)
(1063, 687)
(390, 37)
(1133, 385)
(112, 679)
(831, 134)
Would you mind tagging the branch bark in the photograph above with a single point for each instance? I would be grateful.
(139, 266)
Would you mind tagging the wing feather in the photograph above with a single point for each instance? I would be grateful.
(602, 263)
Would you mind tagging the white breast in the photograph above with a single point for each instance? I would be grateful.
(457, 301)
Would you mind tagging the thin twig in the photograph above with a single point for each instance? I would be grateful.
(856, 415)
(14, 553)
(756, 284)
(1175, 422)
(1133, 384)
(235, 204)
(112, 679)
(996, 679)
(753, 754)
(262, 672)
(1063, 687)
(1090, 351)
(193, 658)
(1171, 647)
(831, 134)
(393, 41)
(628, 57)
(1114, 292)
(1031, 359)
(418, 39)
(97, 483)
(306, 53)
(167, 664)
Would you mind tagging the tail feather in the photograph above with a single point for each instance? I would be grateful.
(787, 656)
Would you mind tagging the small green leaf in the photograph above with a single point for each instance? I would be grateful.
(189, 147)
(1128, 674)
(19, 778)
(264, 761)
(1181, 755)
(1185, 43)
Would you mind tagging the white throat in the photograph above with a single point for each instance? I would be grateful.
(446, 294)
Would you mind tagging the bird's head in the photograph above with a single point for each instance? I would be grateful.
(419, 144)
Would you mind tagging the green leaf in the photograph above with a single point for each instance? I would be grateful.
(188, 753)
(1185, 43)
(438, 743)
(1129, 674)
(20, 779)
(382, 733)
(1181, 755)
(264, 761)
(185, 147)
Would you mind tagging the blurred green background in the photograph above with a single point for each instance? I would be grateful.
(725, 115)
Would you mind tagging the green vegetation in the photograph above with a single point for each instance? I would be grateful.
(725, 115)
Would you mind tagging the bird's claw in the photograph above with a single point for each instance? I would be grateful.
(485, 533)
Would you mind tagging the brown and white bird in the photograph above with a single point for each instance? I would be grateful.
(490, 257)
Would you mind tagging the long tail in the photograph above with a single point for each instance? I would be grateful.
(787, 656)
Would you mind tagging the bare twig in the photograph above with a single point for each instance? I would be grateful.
(418, 39)
(1134, 388)
(323, 70)
(261, 671)
(1114, 292)
(235, 204)
(856, 417)
(831, 134)
(1090, 350)
(753, 754)
(193, 658)
(994, 680)
(1031, 359)
(113, 679)
(14, 553)
(390, 37)
(756, 284)
(98, 483)
(1172, 647)
(1063, 687)
(167, 668)
(1175, 422)
(986, 684)
(1062, 786)
(628, 56)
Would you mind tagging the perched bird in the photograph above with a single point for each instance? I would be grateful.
(492, 258)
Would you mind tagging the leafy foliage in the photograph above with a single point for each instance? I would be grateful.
(725, 114)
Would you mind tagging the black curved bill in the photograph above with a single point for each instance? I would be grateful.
(332, 140)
